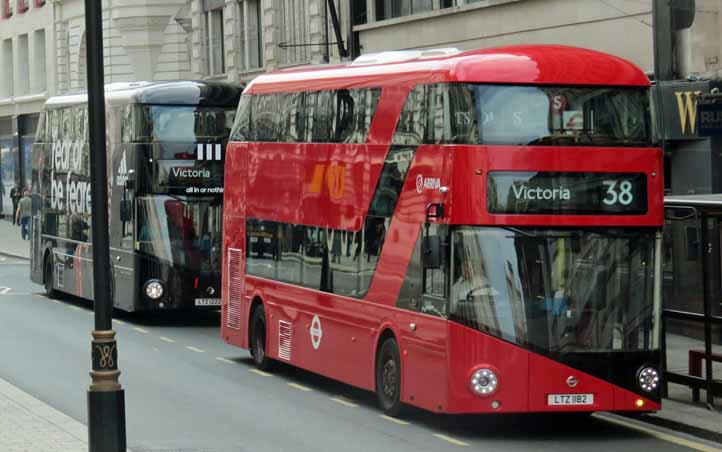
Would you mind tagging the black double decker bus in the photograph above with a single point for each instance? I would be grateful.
(166, 148)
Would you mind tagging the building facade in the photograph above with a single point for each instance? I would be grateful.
(42, 43)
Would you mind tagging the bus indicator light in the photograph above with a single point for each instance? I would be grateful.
(639, 403)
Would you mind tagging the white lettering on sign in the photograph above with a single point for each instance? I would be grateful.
(72, 196)
(190, 172)
(538, 193)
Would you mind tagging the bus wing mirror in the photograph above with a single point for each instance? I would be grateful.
(125, 211)
(431, 251)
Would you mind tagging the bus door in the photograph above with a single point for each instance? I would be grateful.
(423, 325)
(121, 229)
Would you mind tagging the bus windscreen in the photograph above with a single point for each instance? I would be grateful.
(168, 124)
(556, 291)
(184, 231)
(517, 115)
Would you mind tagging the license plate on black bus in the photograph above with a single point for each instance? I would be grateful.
(208, 301)
(570, 399)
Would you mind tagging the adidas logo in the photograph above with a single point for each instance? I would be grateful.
(122, 176)
(212, 151)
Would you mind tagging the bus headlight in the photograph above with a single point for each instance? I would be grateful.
(648, 379)
(483, 382)
(154, 289)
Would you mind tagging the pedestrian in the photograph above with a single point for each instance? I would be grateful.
(15, 195)
(22, 215)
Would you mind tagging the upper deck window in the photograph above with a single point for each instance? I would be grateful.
(185, 124)
(525, 116)
(336, 116)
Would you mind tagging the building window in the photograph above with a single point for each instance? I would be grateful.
(39, 66)
(388, 9)
(7, 9)
(6, 69)
(213, 21)
(295, 35)
(251, 42)
(23, 65)
(22, 6)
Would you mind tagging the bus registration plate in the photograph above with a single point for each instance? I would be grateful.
(208, 301)
(570, 399)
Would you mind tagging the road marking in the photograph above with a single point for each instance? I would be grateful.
(75, 307)
(343, 402)
(660, 435)
(140, 330)
(394, 420)
(4, 290)
(450, 439)
(260, 372)
(167, 339)
(119, 322)
(197, 350)
(299, 387)
(227, 361)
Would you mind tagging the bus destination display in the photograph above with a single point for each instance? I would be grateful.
(566, 193)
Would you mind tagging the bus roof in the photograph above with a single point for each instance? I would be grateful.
(529, 64)
(183, 92)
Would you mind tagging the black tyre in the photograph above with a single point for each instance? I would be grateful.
(48, 277)
(388, 377)
(258, 339)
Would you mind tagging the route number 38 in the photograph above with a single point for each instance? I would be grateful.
(618, 192)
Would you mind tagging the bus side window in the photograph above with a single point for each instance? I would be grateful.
(411, 290)
(323, 117)
(436, 279)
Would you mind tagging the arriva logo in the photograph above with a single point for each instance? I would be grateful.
(122, 176)
(427, 183)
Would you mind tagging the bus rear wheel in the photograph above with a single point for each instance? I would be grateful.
(48, 277)
(388, 377)
(258, 339)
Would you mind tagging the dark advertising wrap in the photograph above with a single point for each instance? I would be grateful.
(557, 193)
(69, 180)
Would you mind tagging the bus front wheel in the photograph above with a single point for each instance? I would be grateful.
(48, 277)
(388, 377)
(258, 339)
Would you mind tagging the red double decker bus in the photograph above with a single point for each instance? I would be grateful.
(465, 232)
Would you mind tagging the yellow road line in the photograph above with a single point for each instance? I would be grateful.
(394, 420)
(450, 439)
(227, 361)
(299, 387)
(140, 330)
(660, 435)
(197, 350)
(261, 373)
(343, 402)
(167, 339)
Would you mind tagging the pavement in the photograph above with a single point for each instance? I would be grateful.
(11, 243)
(29, 425)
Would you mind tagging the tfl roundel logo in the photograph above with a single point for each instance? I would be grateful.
(419, 183)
